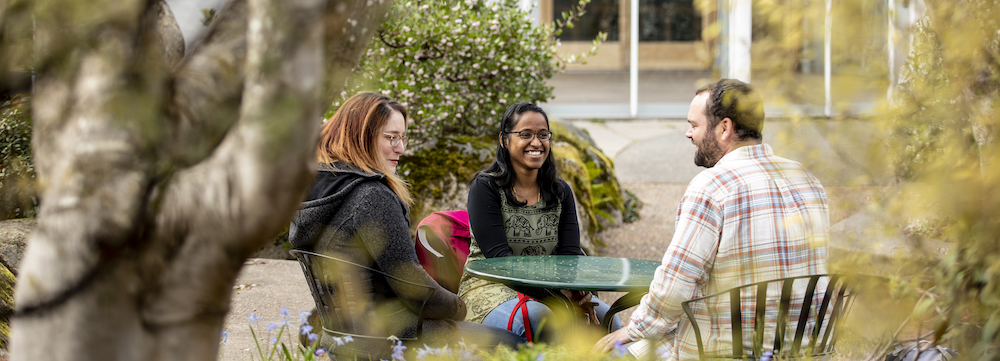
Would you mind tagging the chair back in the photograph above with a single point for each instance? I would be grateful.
(344, 299)
(799, 316)
(442, 245)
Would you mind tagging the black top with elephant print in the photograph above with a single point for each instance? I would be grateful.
(500, 229)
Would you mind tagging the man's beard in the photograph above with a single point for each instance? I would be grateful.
(709, 152)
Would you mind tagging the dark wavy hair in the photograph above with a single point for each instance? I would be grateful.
(502, 171)
(738, 101)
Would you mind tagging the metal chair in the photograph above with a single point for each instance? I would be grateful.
(345, 304)
(824, 301)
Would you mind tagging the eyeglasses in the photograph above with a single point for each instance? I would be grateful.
(542, 135)
(395, 140)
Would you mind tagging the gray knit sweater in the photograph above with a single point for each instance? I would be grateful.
(354, 215)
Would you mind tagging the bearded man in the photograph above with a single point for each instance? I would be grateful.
(750, 217)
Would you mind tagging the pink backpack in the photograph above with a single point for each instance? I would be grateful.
(442, 245)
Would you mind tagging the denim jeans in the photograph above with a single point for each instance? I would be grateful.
(537, 311)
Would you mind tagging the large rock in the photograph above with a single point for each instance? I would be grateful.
(7, 281)
(13, 238)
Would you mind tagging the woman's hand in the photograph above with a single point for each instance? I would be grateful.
(583, 300)
(611, 341)
(460, 310)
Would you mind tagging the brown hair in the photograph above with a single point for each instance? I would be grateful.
(352, 134)
(738, 101)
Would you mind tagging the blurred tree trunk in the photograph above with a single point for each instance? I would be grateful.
(159, 175)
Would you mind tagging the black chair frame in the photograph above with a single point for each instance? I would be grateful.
(319, 285)
(839, 295)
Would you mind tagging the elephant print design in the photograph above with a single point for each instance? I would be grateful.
(548, 223)
(533, 251)
(519, 226)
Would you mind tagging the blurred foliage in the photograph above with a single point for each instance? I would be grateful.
(458, 65)
(17, 171)
(943, 129)
(929, 148)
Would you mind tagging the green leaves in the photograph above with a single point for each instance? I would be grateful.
(457, 66)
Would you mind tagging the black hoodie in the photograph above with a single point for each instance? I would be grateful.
(354, 215)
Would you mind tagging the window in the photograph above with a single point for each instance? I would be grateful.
(669, 20)
(601, 15)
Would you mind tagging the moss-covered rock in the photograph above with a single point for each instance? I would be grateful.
(439, 174)
(7, 281)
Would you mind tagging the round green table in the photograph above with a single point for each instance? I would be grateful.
(584, 273)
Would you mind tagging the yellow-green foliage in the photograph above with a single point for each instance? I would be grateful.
(938, 133)
(944, 128)
(7, 281)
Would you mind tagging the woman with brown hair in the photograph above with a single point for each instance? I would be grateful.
(357, 210)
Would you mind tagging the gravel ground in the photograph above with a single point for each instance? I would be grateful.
(648, 237)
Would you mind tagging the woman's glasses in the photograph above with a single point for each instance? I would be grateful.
(542, 135)
(395, 140)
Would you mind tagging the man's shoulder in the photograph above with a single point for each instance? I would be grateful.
(737, 173)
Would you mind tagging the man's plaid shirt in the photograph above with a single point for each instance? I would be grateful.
(753, 217)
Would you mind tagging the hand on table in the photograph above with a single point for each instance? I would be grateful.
(583, 300)
(608, 342)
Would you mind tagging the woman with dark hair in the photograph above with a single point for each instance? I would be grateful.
(357, 210)
(519, 206)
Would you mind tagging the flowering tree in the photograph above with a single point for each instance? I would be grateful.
(457, 65)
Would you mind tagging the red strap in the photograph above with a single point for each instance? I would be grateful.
(521, 304)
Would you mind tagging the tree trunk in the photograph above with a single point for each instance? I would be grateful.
(158, 180)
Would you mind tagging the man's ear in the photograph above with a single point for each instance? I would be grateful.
(727, 130)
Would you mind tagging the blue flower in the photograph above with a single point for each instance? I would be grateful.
(540, 357)
(284, 313)
(348, 339)
(304, 316)
(254, 318)
(319, 352)
(619, 351)
(339, 341)
(225, 337)
(274, 340)
(306, 329)
(271, 326)
(397, 350)
(312, 336)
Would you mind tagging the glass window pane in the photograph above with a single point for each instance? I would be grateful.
(669, 20)
(601, 15)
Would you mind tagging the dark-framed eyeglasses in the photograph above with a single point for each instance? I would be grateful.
(395, 139)
(543, 135)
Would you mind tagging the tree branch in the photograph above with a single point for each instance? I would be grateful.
(208, 86)
(350, 25)
(250, 185)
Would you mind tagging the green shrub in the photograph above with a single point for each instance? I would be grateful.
(17, 171)
(458, 65)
